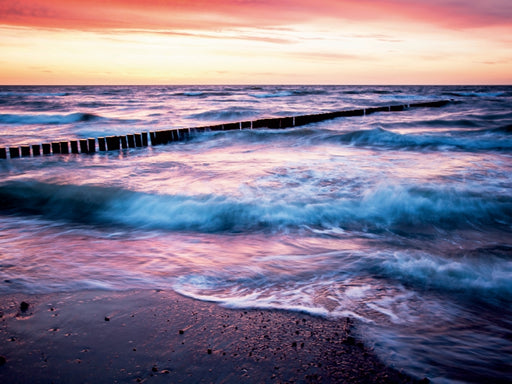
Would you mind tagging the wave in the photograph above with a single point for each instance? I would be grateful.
(227, 114)
(21, 119)
(476, 94)
(504, 129)
(489, 139)
(398, 96)
(380, 137)
(203, 94)
(386, 207)
(488, 274)
(32, 94)
(267, 95)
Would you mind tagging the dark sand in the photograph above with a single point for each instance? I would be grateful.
(162, 337)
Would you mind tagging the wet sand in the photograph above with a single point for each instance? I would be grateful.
(162, 337)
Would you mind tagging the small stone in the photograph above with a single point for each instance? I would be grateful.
(154, 369)
(181, 331)
(24, 306)
(3, 360)
(209, 351)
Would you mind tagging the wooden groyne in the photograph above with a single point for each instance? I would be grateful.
(144, 139)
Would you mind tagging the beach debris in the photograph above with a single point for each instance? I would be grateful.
(24, 306)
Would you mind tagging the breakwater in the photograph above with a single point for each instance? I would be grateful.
(162, 137)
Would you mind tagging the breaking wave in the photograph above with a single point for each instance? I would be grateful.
(22, 119)
(386, 207)
(227, 114)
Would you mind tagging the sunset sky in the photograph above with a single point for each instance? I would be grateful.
(256, 42)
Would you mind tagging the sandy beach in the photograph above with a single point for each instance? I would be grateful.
(162, 337)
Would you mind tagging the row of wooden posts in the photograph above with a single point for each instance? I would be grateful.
(115, 143)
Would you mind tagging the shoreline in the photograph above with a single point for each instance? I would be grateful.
(160, 336)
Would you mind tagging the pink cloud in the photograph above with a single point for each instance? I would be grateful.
(205, 14)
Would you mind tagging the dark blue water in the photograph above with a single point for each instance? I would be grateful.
(401, 220)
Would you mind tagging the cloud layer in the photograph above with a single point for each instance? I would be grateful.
(206, 15)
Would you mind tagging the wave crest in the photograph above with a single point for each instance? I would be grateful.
(22, 119)
(387, 207)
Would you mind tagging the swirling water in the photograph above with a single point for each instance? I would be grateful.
(401, 220)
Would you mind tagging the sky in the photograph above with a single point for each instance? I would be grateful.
(255, 42)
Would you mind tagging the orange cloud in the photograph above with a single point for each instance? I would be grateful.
(204, 14)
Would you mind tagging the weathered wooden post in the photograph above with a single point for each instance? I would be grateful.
(47, 149)
(91, 145)
(64, 147)
(101, 144)
(25, 150)
(112, 143)
(138, 139)
(152, 137)
(55, 148)
(83, 146)
(131, 141)
(74, 146)
(36, 150)
(14, 152)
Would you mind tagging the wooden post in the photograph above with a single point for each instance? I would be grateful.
(144, 139)
(47, 149)
(74, 146)
(36, 150)
(83, 146)
(3, 153)
(64, 147)
(112, 143)
(152, 137)
(101, 144)
(124, 142)
(131, 141)
(55, 148)
(91, 145)
(138, 139)
(14, 152)
(25, 150)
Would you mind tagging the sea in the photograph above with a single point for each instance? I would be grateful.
(400, 220)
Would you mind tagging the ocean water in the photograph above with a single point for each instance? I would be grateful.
(400, 220)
